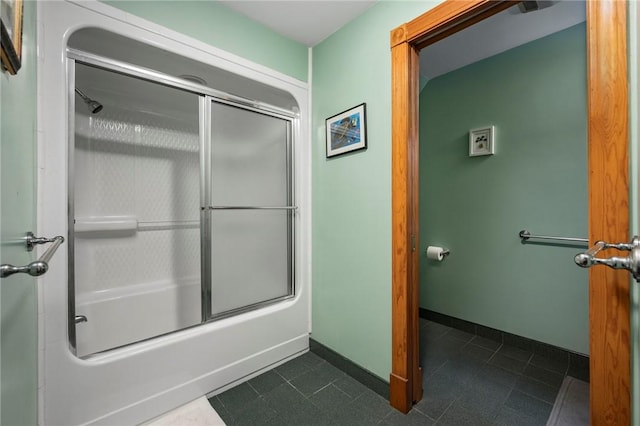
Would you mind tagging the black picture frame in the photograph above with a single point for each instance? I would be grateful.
(347, 131)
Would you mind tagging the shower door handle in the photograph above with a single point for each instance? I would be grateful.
(631, 263)
(37, 267)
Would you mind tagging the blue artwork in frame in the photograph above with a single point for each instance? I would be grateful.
(347, 131)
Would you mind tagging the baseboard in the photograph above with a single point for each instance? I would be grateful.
(578, 363)
(360, 374)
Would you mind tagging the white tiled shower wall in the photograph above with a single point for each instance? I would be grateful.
(137, 262)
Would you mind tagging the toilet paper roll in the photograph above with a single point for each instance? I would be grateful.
(435, 253)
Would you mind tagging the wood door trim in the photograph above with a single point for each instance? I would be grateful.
(608, 196)
(405, 381)
(607, 110)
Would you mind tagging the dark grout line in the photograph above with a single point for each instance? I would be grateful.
(323, 388)
(533, 396)
(283, 378)
(254, 389)
(428, 416)
(447, 409)
(494, 353)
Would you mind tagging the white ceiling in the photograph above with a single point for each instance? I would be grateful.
(308, 22)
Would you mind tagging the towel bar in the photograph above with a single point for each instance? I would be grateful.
(525, 235)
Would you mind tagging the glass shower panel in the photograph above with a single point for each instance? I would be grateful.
(252, 209)
(135, 191)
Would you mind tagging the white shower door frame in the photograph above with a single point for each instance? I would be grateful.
(133, 383)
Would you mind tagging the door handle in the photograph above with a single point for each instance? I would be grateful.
(37, 267)
(631, 263)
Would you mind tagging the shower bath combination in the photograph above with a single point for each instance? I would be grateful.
(93, 105)
(185, 238)
(186, 207)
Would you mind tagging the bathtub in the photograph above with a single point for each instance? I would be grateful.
(143, 310)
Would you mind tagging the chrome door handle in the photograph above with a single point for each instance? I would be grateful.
(37, 267)
(631, 263)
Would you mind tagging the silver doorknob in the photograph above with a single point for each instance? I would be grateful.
(631, 263)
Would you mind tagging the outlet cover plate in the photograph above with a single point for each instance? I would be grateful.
(482, 141)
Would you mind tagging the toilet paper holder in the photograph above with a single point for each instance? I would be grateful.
(444, 253)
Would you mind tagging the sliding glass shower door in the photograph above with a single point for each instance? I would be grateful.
(134, 211)
(251, 209)
(181, 206)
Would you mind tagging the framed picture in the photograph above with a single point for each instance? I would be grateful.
(11, 35)
(347, 131)
(482, 141)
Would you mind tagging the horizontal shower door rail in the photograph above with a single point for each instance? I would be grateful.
(110, 64)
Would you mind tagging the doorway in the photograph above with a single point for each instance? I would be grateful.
(499, 333)
(608, 183)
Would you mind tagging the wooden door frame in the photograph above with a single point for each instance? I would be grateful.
(608, 202)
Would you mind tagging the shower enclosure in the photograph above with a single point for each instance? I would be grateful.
(181, 206)
(180, 176)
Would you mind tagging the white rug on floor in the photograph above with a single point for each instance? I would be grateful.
(572, 404)
(195, 413)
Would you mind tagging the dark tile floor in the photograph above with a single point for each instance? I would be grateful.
(468, 380)
(471, 380)
(304, 391)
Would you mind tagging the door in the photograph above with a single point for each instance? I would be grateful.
(250, 210)
(134, 206)
(608, 196)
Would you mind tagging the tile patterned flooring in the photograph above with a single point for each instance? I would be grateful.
(468, 380)
(471, 380)
(304, 391)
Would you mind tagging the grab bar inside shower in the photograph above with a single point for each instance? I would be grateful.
(38, 267)
(526, 235)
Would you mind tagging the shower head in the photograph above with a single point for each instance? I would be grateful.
(94, 106)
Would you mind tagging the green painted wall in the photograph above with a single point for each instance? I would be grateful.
(219, 26)
(351, 307)
(535, 95)
(18, 294)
